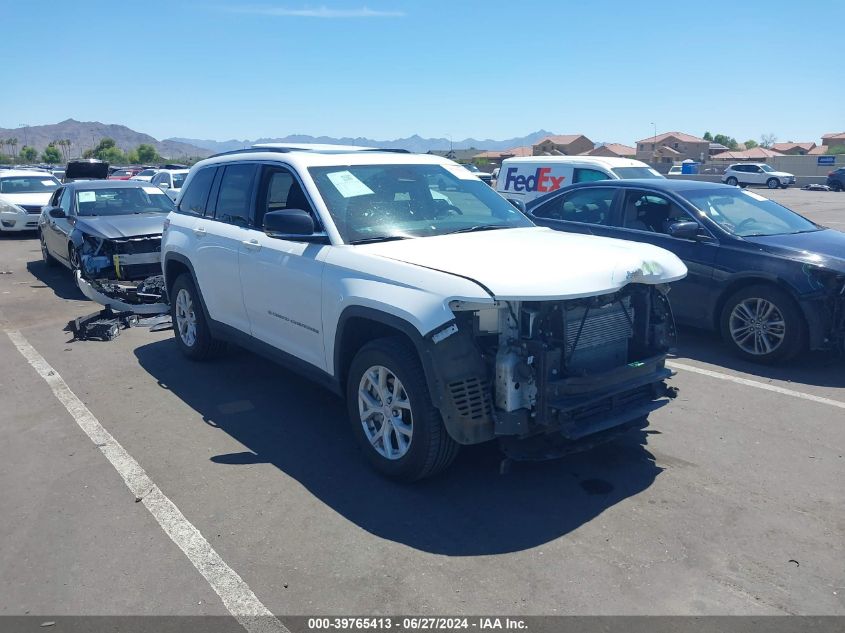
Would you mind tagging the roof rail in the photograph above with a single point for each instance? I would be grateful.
(252, 150)
(393, 150)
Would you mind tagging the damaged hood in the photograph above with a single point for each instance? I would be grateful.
(537, 263)
(115, 227)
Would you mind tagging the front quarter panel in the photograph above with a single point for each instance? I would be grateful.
(417, 296)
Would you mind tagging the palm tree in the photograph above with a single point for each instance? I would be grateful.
(13, 143)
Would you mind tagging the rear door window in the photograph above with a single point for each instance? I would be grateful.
(195, 198)
(589, 206)
(234, 199)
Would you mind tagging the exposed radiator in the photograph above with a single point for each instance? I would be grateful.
(602, 342)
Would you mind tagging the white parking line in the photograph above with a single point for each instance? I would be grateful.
(236, 595)
(756, 384)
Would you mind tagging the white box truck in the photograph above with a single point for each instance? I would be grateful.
(529, 177)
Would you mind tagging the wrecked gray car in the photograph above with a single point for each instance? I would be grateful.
(109, 234)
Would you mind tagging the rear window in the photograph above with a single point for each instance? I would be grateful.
(178, 179)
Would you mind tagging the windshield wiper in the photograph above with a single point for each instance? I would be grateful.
(382, 238)
(477, 227)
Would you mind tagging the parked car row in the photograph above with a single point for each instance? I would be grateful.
(442, 312)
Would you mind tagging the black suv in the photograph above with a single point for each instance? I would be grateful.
(836, 179)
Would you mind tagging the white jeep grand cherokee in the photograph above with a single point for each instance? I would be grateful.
(406, 284)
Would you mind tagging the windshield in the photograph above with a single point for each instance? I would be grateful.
(148, 172)
(371, 202)
(123, 201)
(766, 168)
(747, 214)
(635, 172)
(178, 179)
(28, 184)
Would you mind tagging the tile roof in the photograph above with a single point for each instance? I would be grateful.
(836, 135)
(785, 147)
(685, 138)
(749, 154)
(560, 139)
(617, 148)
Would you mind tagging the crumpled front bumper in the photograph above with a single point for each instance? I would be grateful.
(119, 305)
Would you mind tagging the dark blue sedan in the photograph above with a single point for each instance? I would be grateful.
(769, 280)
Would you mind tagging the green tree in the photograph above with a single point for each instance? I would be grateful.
(147, 154)
(51, 155)
(13, 143)
(750, 144)
(727, 141)
(106, 150)
(767, 140)
(836, 149)
(29, 154)
(132, 157)
(708, 137)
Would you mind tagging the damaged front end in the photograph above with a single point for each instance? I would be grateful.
(567, 371)
(123, 274)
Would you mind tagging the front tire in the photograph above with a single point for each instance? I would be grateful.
(763, 324)
(393, 419)
(190, 328)
(733, 182)
(836, 186)
(773, 183)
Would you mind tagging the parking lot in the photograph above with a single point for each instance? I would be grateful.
(730, 502)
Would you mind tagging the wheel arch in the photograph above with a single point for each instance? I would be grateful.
(753, 279)
(174, 265)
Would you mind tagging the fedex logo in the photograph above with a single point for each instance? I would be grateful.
(539, 181)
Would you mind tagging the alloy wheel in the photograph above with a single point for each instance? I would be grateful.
(757, 326)
(186, 318)
(385, 412)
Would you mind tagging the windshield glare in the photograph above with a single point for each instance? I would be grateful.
(28, 184)
(766, 168)
(747, 214)
(370, 202)
(122, 201)
(636, 172)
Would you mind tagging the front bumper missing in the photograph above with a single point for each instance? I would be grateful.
(119, 305)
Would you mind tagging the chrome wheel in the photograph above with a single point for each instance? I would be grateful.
(186, 318)
(757, 326)
(385, 412)
(773, 183)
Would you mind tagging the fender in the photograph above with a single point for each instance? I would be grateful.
(451, 366)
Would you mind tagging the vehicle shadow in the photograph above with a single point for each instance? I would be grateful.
(472, 509)
(57, 278)
(812, 368)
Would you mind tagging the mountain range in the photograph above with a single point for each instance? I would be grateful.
(413, 143)
(85, 135)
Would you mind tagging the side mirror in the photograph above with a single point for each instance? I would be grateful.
(288, 223)
(163, 186)
(56, 212)
(685, 230)
(519, 204)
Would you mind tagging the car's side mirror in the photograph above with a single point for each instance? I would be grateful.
(685, 230)
(519, 204)
(288, 223)
(56, 212)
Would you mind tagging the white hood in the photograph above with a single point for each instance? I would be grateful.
(30, 199)
(537, 263)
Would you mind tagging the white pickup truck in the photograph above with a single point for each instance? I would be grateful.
(407, 285)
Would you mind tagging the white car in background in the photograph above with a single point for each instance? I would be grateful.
(22, 194)
(170, 181)
(146, 175)
(675, 170)
(757, 174)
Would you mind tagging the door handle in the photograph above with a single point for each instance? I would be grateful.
(252, 245)
(199, 231)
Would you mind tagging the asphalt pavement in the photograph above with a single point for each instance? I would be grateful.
(730, 502)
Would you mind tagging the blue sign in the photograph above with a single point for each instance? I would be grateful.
(827, 160)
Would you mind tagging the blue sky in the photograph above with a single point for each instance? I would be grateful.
(385, 69)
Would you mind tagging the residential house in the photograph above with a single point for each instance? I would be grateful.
(672, 147)
(718, 148)
(612, 150)
(565, 144)
(834, 139)
(495, 157)
(794, 149)
(459, 155)
(755, 153)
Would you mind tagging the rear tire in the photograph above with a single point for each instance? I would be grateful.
(190, 328)
(48, 259)
(773, 183)
(762, 324)
(393, 419)
(733, 182)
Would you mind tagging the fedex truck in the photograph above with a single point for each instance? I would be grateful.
(530, 177)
